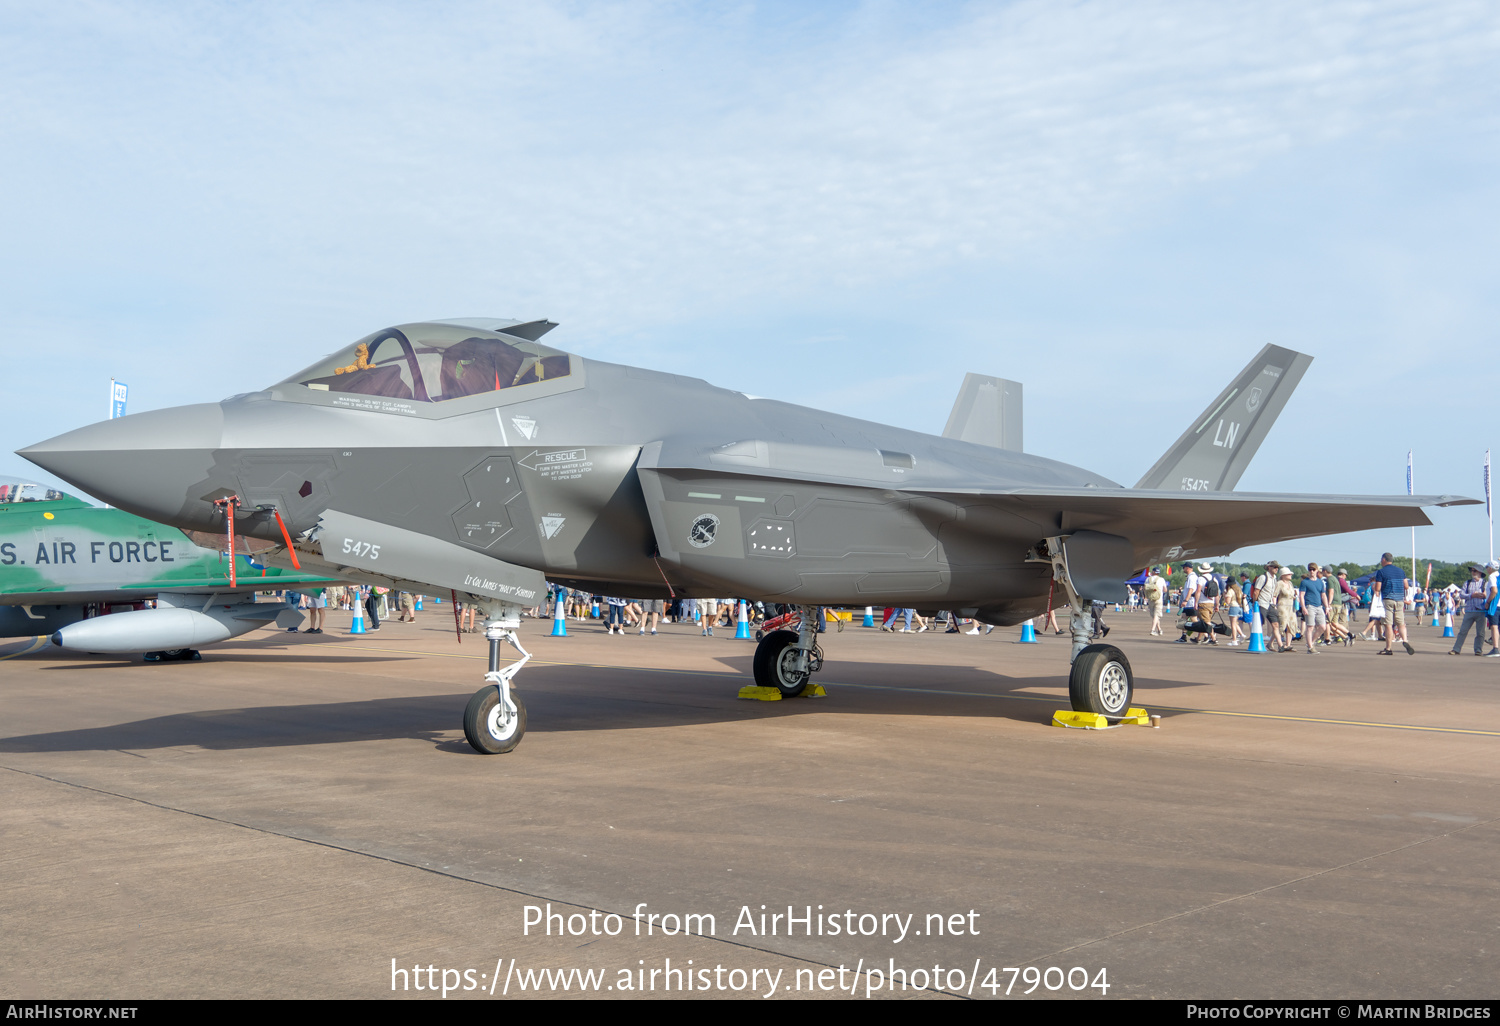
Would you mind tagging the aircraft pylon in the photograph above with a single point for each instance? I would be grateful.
(1028, 634)
(1257, 635)
(742, 626)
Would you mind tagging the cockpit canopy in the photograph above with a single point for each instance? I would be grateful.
(13, 490)
(435, 361)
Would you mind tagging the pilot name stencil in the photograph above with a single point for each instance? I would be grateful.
(494, 587)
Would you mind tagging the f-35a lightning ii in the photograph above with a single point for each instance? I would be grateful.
(468, 455)
(62, 560)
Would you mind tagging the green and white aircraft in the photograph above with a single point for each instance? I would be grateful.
(65, 563)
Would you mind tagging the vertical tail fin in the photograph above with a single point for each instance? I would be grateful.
(1219, 444)
(987, 412)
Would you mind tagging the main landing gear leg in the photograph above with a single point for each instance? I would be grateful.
(786, 660)
(1101, 680)
(495, 720)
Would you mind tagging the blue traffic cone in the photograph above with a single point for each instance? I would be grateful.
(869, 616)
(358, 625)
(1028, 634)
(596, 609)
(1257, 636)
(1448, 624)
(742, 628)
(418, 604)
(560, 619)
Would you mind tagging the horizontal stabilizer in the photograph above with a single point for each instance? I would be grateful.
(1163, 524)
(987, 412)
(1219, 444)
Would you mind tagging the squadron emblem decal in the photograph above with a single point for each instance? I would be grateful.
(1252, 400)
(705, 528)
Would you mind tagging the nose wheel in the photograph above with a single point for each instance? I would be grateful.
(495, 720)
(493, 726)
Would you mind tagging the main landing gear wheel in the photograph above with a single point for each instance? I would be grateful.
(775, 664)
(173, 655)
(1101, 681)
(487, 729)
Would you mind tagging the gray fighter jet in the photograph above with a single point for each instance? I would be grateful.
(467, 455)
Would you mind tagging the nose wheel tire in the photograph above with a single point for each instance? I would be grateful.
(1101, 681)
(775, 664)
(487, 729)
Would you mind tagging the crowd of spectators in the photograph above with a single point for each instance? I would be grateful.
(1319, 606)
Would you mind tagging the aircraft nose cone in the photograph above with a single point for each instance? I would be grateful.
(146, 463)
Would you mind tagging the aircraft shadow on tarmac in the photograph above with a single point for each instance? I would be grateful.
(559, 701)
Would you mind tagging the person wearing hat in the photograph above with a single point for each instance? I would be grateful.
(1286, 610)
(1189, 601)
(1208, 598)
(1339, 596)
(1155, 592)
(1263, 594)
(1476, 612)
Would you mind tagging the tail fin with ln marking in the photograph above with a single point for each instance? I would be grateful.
(1219, 444)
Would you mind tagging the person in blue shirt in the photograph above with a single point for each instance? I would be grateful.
(1389, 583)
(1314, 593)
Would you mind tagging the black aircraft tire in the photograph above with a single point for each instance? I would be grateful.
(481, 728)
(770, 672)
(1101, 681)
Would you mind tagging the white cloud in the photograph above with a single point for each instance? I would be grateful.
(640, 163)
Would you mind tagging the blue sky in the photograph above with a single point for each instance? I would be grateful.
(842, 205)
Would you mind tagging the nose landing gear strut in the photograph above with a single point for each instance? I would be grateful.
(495, 720)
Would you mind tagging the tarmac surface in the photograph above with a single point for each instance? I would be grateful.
(295, 815)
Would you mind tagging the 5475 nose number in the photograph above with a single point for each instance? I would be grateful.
(359, 548)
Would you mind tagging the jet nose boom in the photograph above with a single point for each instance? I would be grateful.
(146, 463)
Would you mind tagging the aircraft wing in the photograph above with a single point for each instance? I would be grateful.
(1205, 523)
